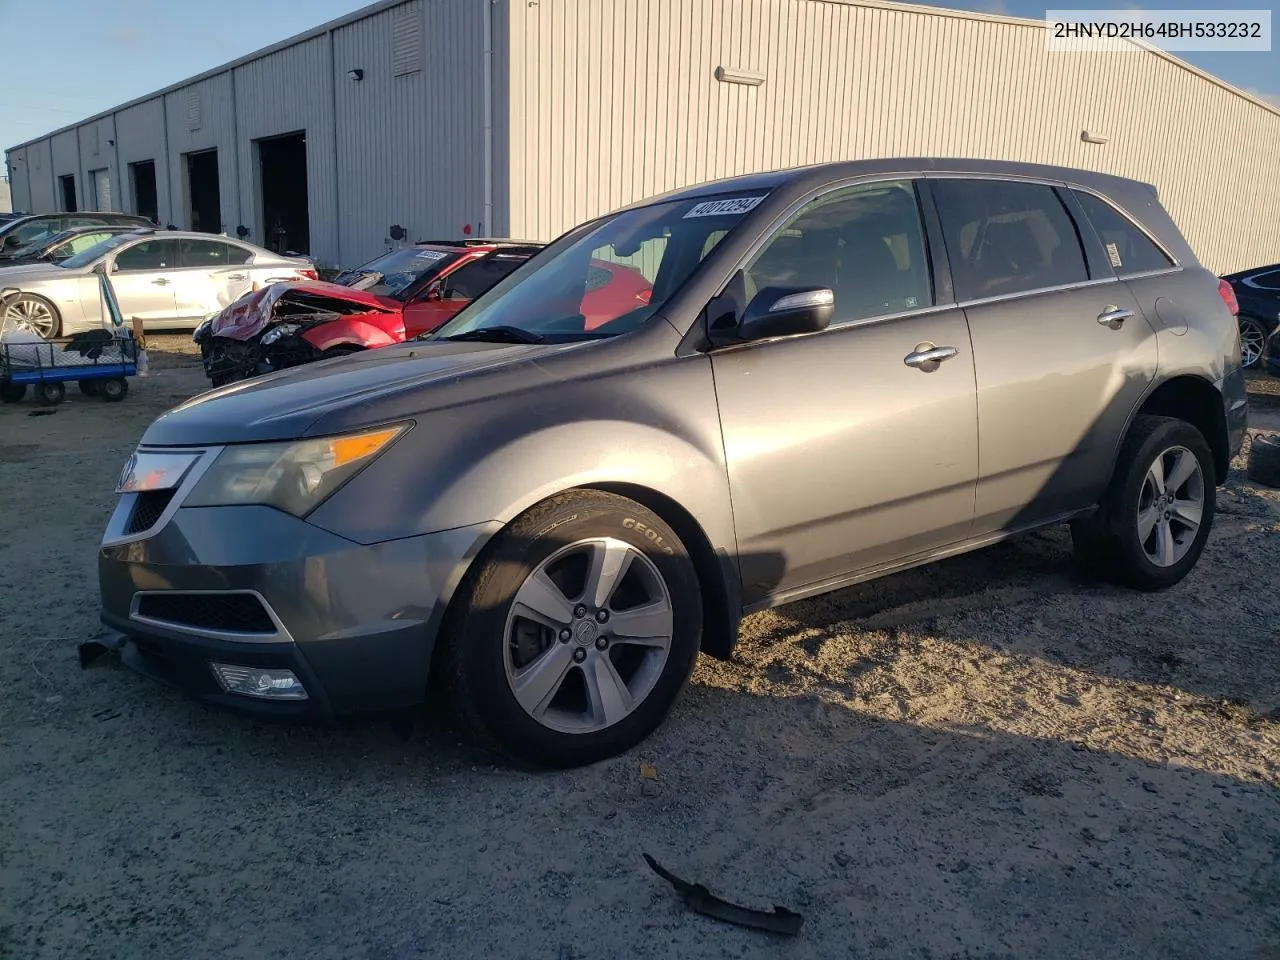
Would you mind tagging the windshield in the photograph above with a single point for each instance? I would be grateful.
(86, 257)
(609, 279)
(395, 274)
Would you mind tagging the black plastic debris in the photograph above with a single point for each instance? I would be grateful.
(701, 900)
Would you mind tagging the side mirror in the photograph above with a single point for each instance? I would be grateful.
(786, 312)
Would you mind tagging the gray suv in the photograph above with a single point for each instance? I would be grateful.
(839, 372)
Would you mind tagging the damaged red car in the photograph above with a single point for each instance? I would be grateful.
(399, 295)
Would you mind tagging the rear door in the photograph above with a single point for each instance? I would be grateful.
(142, 279)
(1062, 350)
(844, 452)
(205, 279)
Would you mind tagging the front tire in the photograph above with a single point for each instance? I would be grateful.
(32, 312)
(114, 389)
(51, 393)
(571, 639)
(12, 392)
(1157, 513)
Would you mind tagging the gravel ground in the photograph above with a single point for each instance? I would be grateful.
(986, 758)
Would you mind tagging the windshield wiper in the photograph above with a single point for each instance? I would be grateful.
(499, 334)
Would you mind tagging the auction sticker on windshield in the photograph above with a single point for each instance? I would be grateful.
(431, 255)
(734, 206)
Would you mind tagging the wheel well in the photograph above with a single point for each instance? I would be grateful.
(720, 604)
(1199, 404)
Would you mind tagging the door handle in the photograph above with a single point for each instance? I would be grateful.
(162, 282)
(1114, 317)
(235, 276)
(927, 357)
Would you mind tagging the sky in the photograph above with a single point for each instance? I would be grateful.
(112, 51)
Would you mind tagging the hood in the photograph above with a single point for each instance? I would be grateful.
(253, 312)
(340, 394)
(9, 274)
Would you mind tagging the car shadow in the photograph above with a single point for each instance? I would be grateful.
(894, 839)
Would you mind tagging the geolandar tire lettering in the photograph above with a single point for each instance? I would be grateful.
(631, 523)
(574, 633)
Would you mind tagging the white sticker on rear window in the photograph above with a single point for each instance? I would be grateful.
(1113, 254)
(733, 207)
(430, 255)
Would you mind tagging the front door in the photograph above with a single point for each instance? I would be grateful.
(143, 282)
(1063, 351)
(844, 450)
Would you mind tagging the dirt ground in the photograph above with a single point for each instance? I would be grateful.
(983, 759)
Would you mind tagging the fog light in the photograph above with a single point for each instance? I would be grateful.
(259, 682)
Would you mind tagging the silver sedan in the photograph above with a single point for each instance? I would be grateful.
(167, 278)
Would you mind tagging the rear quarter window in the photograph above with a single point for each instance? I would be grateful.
(1128, 248)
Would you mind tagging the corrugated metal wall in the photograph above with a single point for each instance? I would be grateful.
(140, 137)
(66, 161)
(286, 92)
(410, 147)
(615, 100)
(201, 116)
(97, 152)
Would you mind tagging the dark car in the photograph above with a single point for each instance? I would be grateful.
(60, 246)
(842, 371)
(21, 231)
(1258, 292)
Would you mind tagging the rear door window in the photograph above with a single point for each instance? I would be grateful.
(1128, 248)
(202, 253)
(1006, 237)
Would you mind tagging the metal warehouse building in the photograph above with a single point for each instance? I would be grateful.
(523, 117)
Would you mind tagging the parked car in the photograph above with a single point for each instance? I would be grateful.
(20, 231)
(167, 278)
(60, 246)
(1258, 293)
(293, 323)
(843, 370)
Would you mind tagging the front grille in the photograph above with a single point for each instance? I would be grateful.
(147, 508)
(230, 612)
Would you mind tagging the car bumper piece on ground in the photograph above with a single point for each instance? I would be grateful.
(253, 588)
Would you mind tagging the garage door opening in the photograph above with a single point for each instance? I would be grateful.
(204, 198)
(282, 184)
(142, 175)
(67, 184)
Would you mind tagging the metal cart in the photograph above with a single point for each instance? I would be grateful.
(98, 361)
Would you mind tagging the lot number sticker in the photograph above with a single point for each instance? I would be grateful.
(430, 255)
(733, 207)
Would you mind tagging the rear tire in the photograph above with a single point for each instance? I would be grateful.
(51, 394)
(612, 667)
(1153, 522)
(114, 390)
(1253, 340)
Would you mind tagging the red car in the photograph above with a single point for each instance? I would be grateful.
(398, 296)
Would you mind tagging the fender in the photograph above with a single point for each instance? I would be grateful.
(489, 459)
(362, 329)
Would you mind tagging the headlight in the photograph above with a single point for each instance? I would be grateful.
(203, 328)
(295, 477)
(282, 330)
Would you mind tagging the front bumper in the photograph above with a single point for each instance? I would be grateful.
(355, 623)
(226, 361)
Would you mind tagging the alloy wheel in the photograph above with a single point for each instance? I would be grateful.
(1171, 506)
(1253, 340)
(587, 636)
(29, 313)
